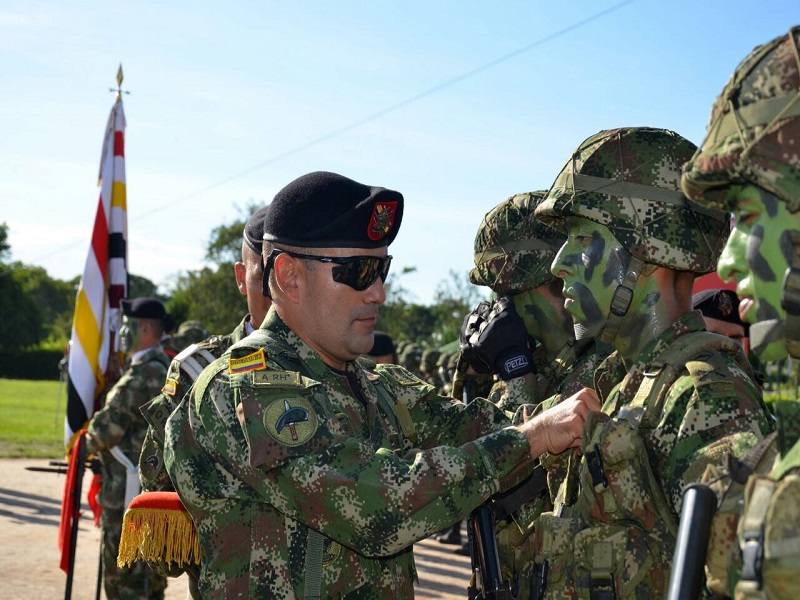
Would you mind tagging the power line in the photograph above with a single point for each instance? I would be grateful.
(376, 115)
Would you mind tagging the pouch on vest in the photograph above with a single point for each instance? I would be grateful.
(728, 483)
(769, 534)
(625, 547)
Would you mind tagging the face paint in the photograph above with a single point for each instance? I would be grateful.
(756, 257)
(128, 335)
(592, 264)
(544, 317)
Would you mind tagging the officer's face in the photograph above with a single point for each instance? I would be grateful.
(757, 255)
(338, 321)
(592, 264)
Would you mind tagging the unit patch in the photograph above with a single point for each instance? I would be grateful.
(251, 362)
(291, 421)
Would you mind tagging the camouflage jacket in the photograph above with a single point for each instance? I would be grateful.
(299, 487)
(119, 422)
(180, 378)
(659, 429)
(700, 416)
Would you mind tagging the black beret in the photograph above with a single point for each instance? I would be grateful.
(718, 304)
(254, 229)
(382, 345)
(326, 210)
(148, 308)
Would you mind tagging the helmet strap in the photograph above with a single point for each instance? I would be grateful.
(621, 301)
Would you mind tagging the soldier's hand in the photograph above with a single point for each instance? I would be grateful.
(560, 427)
(496, 340)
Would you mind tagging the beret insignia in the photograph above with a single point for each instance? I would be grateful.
(382, 220)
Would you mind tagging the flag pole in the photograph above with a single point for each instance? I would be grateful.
(97, 317)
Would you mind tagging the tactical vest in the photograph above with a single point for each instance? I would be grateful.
(617, 540)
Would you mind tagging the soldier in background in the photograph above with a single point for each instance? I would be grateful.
(750, 165)
(720, 310)
(682, 398)
(383, 351)
(188, 333)
(186, 367)
(116, 433)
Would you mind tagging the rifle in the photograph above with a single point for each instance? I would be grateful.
(60, 467)
(486, 582)
(688, 563)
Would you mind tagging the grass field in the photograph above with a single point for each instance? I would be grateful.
(32, 423)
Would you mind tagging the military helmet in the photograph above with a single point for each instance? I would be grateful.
(428, 359)
(628, 180)
(754, 130)
(513, 250)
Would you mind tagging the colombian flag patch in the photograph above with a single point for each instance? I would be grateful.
(251, 362)
(170, 387)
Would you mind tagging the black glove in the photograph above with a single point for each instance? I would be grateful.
(496, 341)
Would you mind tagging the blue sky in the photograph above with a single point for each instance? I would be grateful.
(457, 104)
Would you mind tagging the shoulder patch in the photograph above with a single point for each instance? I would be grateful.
(251, 362)
(291, 421)
(170, 387)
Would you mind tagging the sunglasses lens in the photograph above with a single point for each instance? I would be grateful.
(361, 272)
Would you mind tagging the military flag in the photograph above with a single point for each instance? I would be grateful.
(104, 283)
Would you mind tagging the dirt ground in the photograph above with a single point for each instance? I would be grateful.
(30, 510)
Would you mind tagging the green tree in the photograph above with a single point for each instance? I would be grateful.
(453, 299)
(54, 299)
(210, 295)
(5, 248)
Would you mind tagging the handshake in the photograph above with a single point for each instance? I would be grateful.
(494, 339)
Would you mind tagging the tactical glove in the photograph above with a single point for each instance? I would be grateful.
(496, 340)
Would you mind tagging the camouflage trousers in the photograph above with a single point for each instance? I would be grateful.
(138, 582)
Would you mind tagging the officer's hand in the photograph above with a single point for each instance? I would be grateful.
(560, 427)
(496, 341)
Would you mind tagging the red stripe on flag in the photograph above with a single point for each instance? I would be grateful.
(100, 239)
(119, 143)
(115, 294)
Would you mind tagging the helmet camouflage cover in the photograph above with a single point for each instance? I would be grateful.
(513, 250)
(753, 135)
(628, 180)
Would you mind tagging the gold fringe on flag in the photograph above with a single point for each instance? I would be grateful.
(165, 535)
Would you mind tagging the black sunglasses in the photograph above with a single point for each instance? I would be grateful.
(359, 272)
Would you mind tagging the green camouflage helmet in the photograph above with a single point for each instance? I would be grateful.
(753, 135)
(628, 180)
(513, 250)
(429, 359)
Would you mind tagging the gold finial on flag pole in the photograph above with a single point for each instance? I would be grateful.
(120, 77)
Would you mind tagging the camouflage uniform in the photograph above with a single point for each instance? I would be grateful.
(685, 402)
(120, 424)
(752, 146)
(329, 476)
